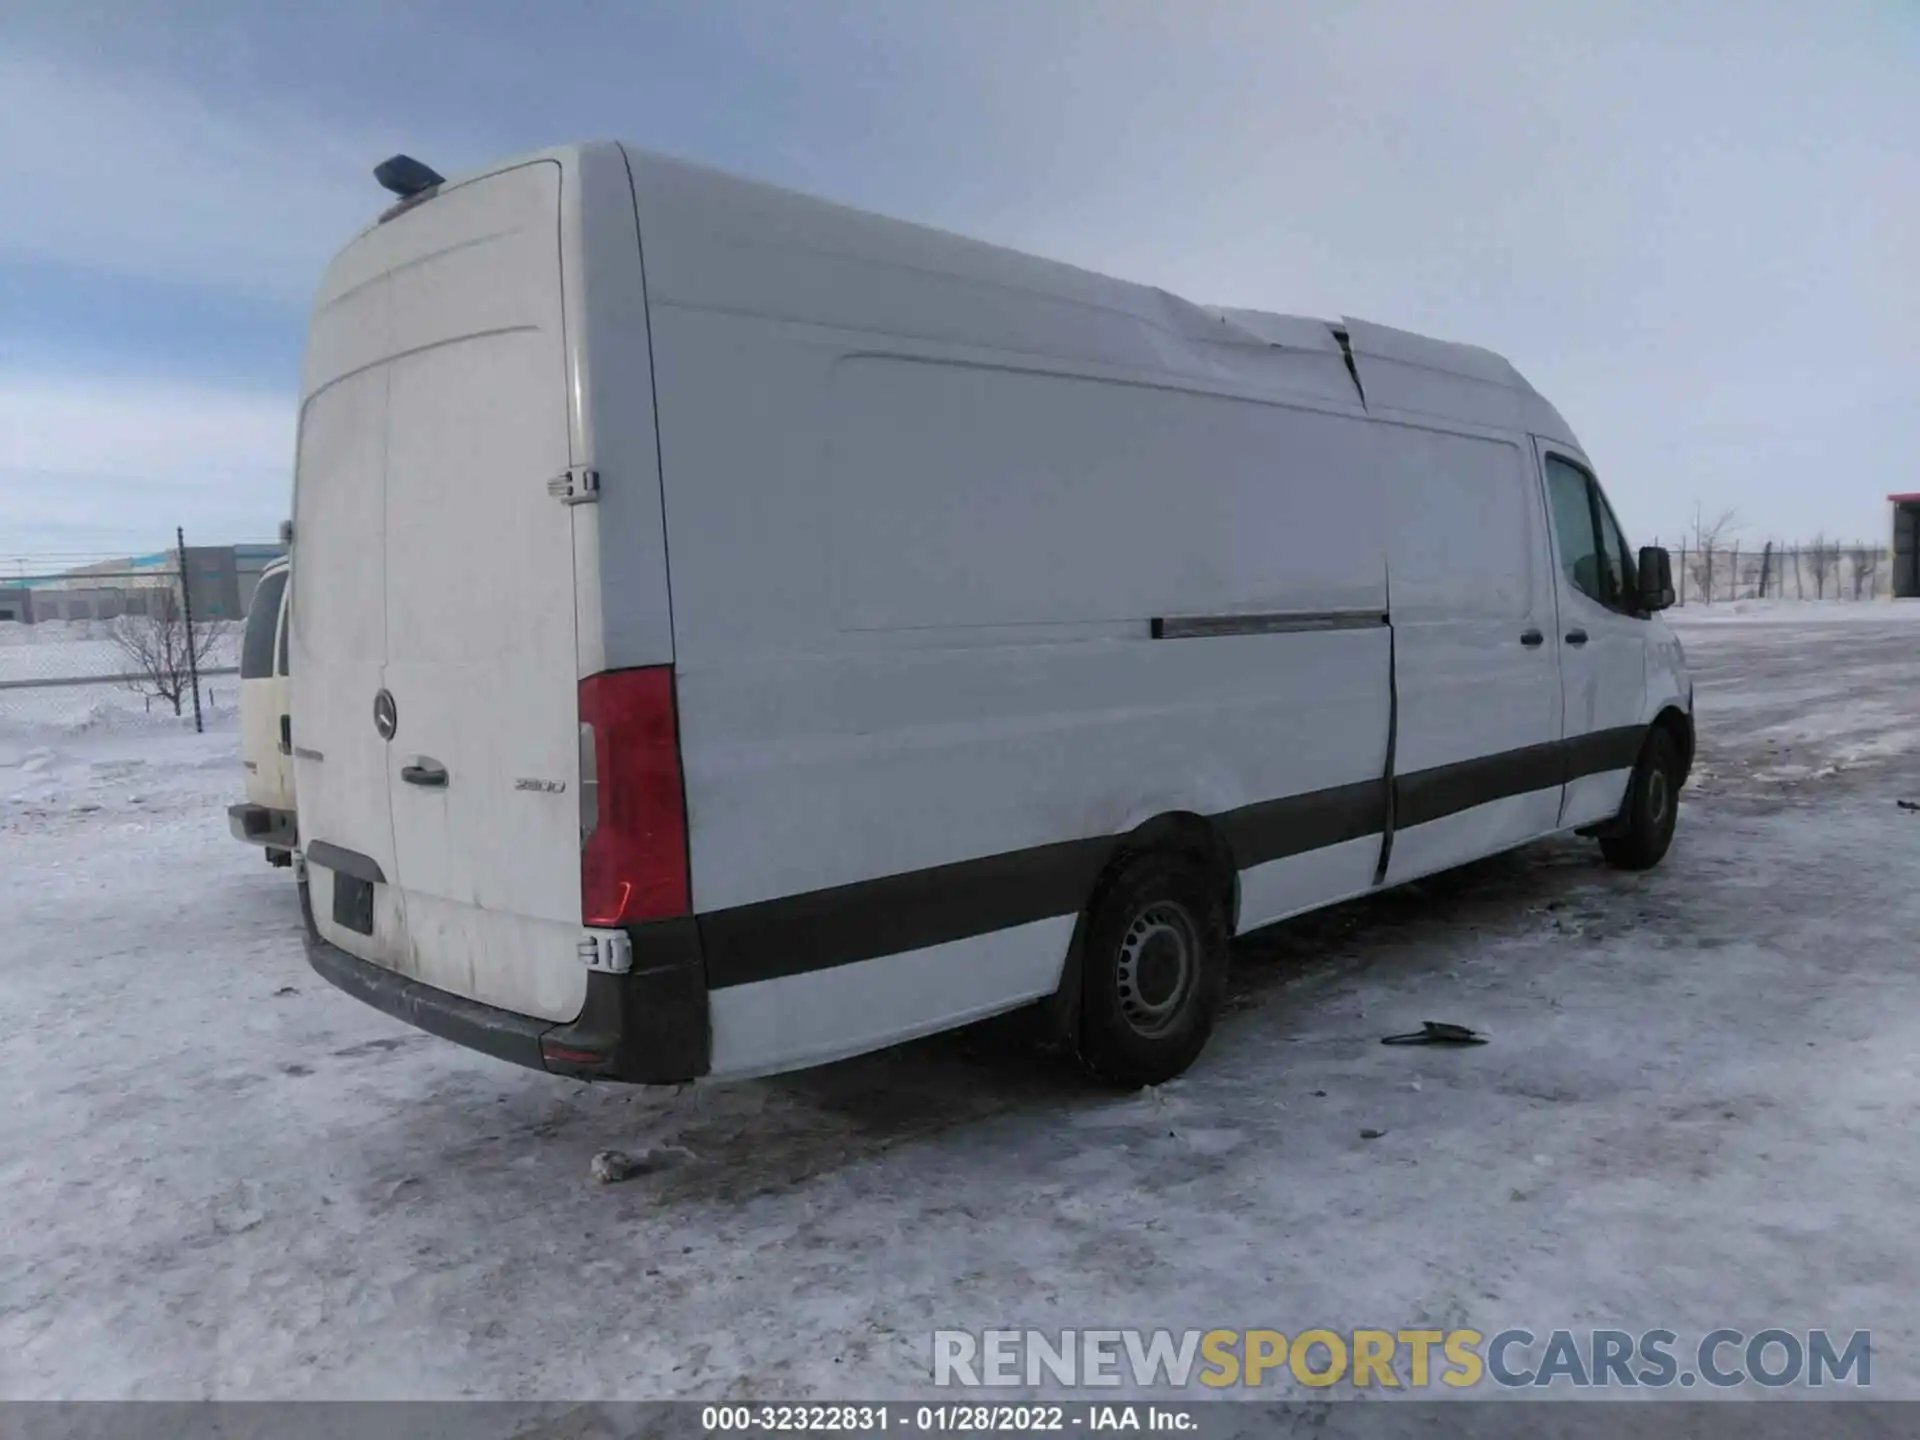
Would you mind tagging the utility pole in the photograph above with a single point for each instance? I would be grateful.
(186, 609)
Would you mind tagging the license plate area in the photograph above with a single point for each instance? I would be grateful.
(353, 903)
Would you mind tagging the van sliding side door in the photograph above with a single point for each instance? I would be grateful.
(1476, 756)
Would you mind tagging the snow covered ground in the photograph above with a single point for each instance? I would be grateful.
(222, 1178)
(1795, 612)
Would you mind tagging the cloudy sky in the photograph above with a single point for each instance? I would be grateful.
(1695, 226)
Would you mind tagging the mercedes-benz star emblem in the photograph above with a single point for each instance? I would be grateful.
(386, 718)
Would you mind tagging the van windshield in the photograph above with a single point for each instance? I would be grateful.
(263, 618)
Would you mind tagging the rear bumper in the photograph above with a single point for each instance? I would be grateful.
(260, 825)
(647, 1027)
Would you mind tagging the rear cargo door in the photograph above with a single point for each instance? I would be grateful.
(483, 763)
(340, 631)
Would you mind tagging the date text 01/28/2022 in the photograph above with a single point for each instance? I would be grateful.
(937, 1419)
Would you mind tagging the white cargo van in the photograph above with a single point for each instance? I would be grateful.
(266, 817)
(733, 631)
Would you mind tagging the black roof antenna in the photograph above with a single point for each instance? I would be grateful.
(406, 176)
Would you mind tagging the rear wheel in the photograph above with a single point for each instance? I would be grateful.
(1651, 807)
(1152, 970)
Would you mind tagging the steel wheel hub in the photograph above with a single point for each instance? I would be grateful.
(1158, 963)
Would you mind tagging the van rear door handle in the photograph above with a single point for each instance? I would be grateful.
(1532, 638)
(1576, 637)
(428, 772)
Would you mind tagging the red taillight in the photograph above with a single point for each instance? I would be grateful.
(633, 817)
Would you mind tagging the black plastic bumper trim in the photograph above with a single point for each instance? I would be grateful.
(649, 1026)
(498, 1033)
(1599, 751)
(1443, 790)
(1280, 829)
(345, 862)
(819, 929)
(262, 825)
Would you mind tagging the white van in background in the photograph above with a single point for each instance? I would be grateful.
(267, 816)
(735, 631)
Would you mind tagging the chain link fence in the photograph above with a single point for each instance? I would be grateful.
(1818, 570)
(72, 674)
(154, 640)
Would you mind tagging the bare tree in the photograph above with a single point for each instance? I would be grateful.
(160, 655)
(1866, 570)
(1708, 536)
(1823, 559)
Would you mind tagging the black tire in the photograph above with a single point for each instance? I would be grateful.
(1153, 968)
(1653, 803)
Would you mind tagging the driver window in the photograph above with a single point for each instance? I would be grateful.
(1622, 562)
(1573, 534)
(1613, 575)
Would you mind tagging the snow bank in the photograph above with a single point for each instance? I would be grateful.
(68, 710)
(116, 718)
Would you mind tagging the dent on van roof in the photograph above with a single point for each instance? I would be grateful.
(715, 240)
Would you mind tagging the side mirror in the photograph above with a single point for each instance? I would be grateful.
(1656, 578)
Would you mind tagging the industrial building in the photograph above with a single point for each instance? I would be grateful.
(220, 578)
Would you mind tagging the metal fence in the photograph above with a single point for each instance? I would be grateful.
(1817, 570)
(128, 647)
(65, 674)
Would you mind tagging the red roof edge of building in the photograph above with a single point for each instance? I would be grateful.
(1909, 495)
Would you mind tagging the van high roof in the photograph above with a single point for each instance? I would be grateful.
(1008, 299)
